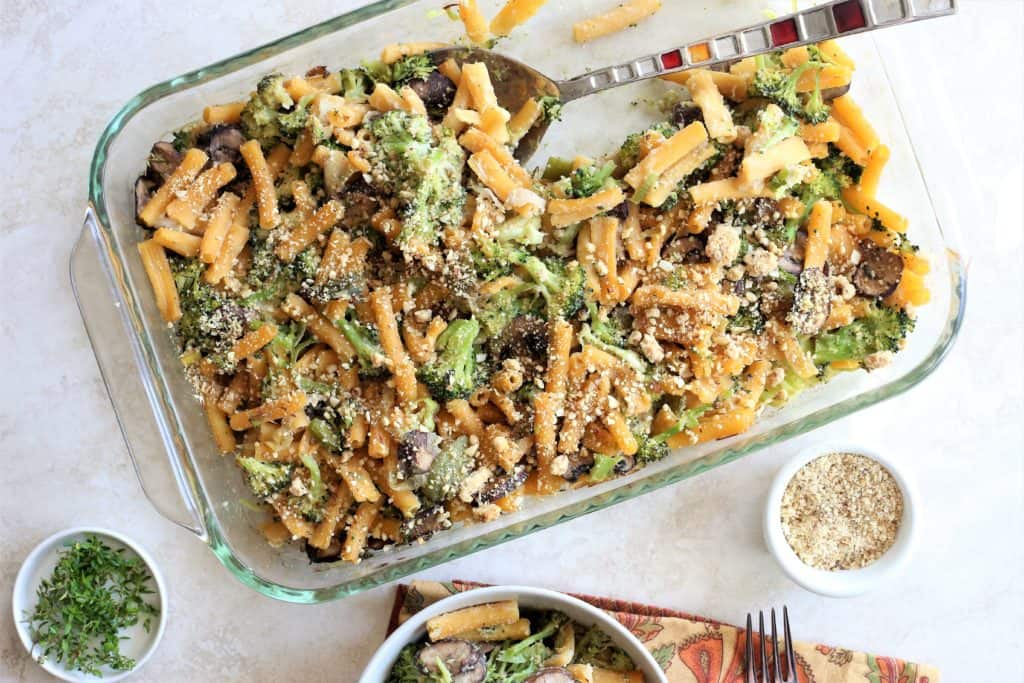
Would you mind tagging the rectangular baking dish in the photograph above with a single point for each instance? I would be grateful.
(162, 423)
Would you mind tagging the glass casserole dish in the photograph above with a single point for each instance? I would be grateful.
(163, 424)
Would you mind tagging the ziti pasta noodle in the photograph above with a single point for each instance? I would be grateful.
(395, 327)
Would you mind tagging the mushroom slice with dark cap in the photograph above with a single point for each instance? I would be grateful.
(143, 193)
(879, 271)
(551, 674)
(436, 90)
(461, 658)
(499, 487)
(416, 452)
(222, 143)
(526, 336)
(332, 553)
(163, 159)
(425, 524)
(812, 301)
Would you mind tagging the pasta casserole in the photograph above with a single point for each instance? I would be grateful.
(393, 326)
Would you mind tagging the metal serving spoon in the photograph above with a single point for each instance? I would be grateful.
(515, 82)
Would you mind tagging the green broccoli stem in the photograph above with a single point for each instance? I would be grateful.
(368, 350)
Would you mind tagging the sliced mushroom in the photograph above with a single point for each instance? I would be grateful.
(685, 113)
(425, 524)
(728, 165)
(526, 336)
(416, 452)
(625, 464)
(686, 250)
(554, 674)
(332, 553)
(579, 464)
(499, 487)
(163, 159)
(463, 660)
(812, 299)
(436, 90)
(879, 272)
(829, 94)
(317, 72)
(222, 143)
(620, 211)
(143, 191)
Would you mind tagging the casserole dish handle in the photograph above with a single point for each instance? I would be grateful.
(111, 321)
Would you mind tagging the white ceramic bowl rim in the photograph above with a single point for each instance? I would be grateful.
(839, 583)
(538, 598)
(24, 595)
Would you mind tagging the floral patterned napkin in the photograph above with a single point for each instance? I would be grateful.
(693, 649)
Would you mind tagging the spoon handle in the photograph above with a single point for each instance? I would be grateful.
(822, 22)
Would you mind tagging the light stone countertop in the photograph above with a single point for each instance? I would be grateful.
(695, 546)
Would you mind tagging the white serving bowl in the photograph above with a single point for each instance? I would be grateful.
(839, 583)
(536, 598)
(39, 565)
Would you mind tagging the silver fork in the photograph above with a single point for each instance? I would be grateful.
(772, 668)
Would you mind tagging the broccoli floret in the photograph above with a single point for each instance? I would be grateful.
(501, 308)
(310, 504)
(786, 179)
(815, 109)
(595, 647)
(272, 278)
(497, 255)
(356, 84)
(454, 373)
(426, 175)
(550, 107)
(835, 172)
(774, 126)
(363, 339)
(261, 117)
(410, 68)
(629, 153)
(331, 410)
(587, 180)
(211, 322)
(377, 71)
(841, 170)
(791, 385)
(451, 466)
(289, 344)
(265, 478)
(774, 81)
(748, 319)
(655, 446)
(563, 286)
(629, 357)
(292, 123)
(882, 329)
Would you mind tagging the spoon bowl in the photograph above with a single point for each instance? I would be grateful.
(515, 82)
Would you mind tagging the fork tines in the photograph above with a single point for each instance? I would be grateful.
(765, 668)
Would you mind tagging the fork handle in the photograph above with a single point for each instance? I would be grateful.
(822, 22)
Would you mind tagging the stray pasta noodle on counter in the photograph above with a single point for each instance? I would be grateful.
(393, 326)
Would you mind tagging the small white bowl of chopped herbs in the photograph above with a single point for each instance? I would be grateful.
(89, 604)
(840, 519)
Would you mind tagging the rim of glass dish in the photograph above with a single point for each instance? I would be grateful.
(213, 537)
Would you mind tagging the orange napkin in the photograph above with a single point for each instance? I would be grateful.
(693, 649)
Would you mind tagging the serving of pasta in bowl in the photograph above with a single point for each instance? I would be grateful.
(373, 340)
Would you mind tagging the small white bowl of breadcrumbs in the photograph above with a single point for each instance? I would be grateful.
(840, 519)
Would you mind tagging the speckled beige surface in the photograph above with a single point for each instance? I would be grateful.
(68, 66)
